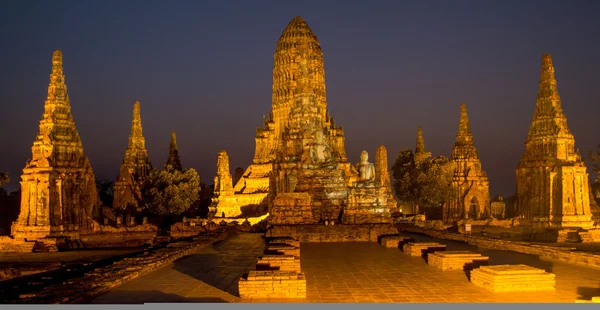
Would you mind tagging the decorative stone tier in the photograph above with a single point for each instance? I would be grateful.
(278, 262)
(395, 241)
(272, 284)
(283, 249)
(513, 278)
(335, 233)
(288, 241)
(456, 260)
(420, 248)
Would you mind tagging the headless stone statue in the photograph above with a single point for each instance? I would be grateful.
(365, 169)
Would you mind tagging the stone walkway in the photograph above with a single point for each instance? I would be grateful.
(345, 272)
(210, 275)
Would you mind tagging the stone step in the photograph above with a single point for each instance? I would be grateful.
(513, 278)
(420, 248)
(456, 260)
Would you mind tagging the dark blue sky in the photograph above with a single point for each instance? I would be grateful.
(203, 69)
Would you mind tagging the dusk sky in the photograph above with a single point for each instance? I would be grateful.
(204, 70)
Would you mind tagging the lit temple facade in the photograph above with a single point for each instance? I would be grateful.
(470, 183)
(135, 168)
(552, 179)
(300, 171)
(58, 186)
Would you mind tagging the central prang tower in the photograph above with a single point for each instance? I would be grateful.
(300, 171)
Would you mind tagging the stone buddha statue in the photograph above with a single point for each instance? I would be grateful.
(365, 169)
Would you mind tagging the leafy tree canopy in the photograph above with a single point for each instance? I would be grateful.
(170, 191)
(425, 182)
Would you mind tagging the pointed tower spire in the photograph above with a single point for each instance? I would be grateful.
(174, 153)
(136, 137)
(58, 173)
(420, 148)
(464, 146)
(549, 119)
(135, 167)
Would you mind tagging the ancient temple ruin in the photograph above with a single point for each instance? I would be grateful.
(58, 186)
(471, 186)
(135, 168)
(173, 159)
(300, 170)
(224, 202)
(552, 179)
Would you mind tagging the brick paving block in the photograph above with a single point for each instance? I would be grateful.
(456, 260)
(283, 250)
(513, 278)
(285, 240)
(278, 262)
(420, 248)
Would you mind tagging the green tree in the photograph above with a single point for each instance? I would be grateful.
(425, 182)
(169, 192)
(4, 178)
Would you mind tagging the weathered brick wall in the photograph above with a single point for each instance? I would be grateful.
(292, 209)
(272, 284)
(333, 233)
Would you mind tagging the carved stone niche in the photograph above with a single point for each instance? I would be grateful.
(105, 221)
(119, 221)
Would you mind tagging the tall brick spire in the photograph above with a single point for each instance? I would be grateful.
(135, 166)
(173, 159)
(549, 124)
(464, 146)
(58, 183)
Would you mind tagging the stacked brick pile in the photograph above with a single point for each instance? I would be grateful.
(418, 248)
(513, 278)
(456, 260)
(79, 290)
(282, 278)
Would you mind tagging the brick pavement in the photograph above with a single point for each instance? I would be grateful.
(346, 272)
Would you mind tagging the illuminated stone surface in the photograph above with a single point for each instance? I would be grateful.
(278, 262)
(470, 182)
(224, 202)
(273, 284)
(419, 248)
(394, 241)
(346, 273)
(58, 186)
(455, 260)
(135, 168)
(552, 179)
(300, 150)
(513, 278)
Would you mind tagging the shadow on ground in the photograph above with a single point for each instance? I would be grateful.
(586, 293)
(222, 265)
(142, 297)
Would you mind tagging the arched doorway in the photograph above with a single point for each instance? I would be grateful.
(474, 208)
